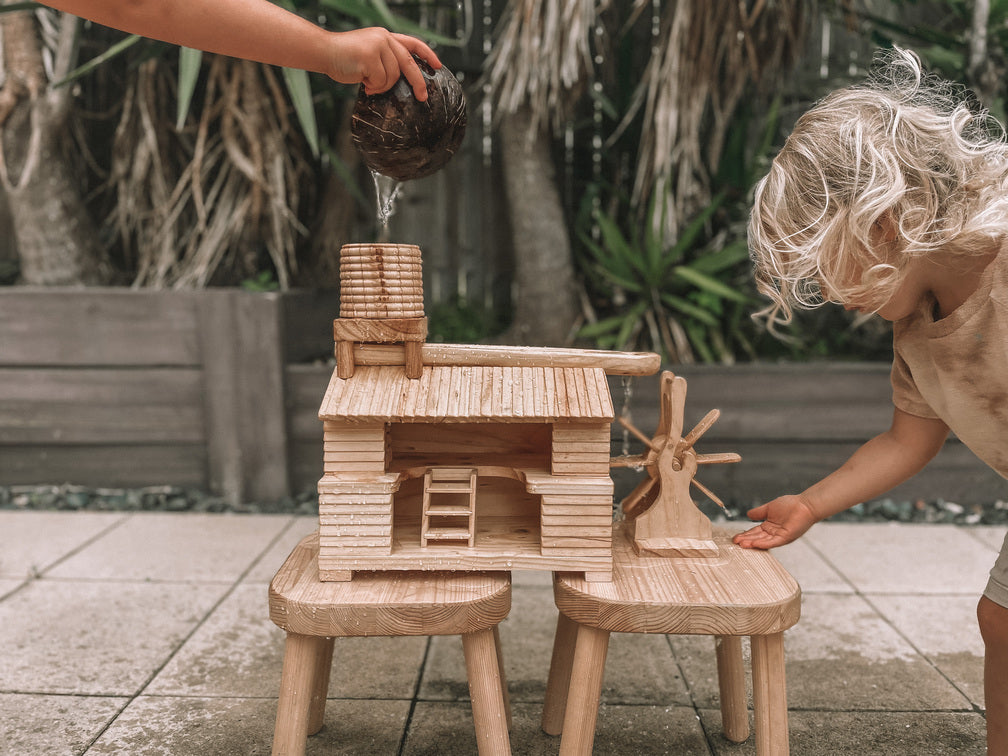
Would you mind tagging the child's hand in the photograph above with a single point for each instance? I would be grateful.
(784, 519)
(376, 57)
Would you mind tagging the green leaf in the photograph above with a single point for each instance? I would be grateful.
(360, 10)
(621, 260)
(190, 61)
(684, 306)
(607, 105)
(722, 259)
(98, 60)
(706, 283)
(299, 88)
(654, 242)
(692, 231)
(377, 13)
(628, 284)
(347, 178)
(601, 327)
(696, 336)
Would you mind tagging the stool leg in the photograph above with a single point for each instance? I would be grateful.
(769, 695)
(489, 714)
(503, 677)
(316, 709)
(731, 686)
(585, 688)
(555, 701)
(297, 686)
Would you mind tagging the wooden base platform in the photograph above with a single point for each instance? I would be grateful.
(500, 544)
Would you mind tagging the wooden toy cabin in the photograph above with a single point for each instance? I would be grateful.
(456, 456)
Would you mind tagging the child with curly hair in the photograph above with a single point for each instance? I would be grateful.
(892, 198)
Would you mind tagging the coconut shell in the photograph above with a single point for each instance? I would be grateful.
(403, 138)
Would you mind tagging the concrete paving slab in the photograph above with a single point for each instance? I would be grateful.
(444, 675)
(642, 670)
(441, 728)
(870, 733)
(527, 637)
(697, 663)
(265, 568)
(843, 655)
(890, 558)
(236, 652)
(817, 575)
(31, 542)
(885, 660)
(53, 725)
(532, 578)
(645, 730)
(97, 638)
(380, 668)
(193, 547)
(989, 535)
(157, 726)
(360, 728)
(9, 585)
(944, 629)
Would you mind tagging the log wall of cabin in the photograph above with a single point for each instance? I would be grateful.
(355, 493)
(516, 445)
(580, 449)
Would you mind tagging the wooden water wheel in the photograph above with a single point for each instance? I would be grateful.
(664, 518)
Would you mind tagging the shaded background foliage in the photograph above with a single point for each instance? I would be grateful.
(634, 129)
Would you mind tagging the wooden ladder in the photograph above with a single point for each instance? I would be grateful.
(442, 520)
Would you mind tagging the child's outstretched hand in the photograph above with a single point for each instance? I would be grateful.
(784, 519)
(376, 57)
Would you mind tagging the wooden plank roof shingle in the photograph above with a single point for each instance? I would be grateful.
(470, 393)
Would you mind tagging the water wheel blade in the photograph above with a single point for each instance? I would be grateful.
(718, 458)
(642, 497)
(698, 430)
(708, 493)
(633, 429)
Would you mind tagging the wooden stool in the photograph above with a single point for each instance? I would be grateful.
(739, 592)
(314, 613)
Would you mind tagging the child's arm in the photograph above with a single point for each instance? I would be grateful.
(882, 463)
(261, 31)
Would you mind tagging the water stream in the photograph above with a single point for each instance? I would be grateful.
(386, 191)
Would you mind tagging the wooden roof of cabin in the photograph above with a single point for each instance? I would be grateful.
(470, 393)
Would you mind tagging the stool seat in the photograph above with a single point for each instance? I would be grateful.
(736, 593)
(395, 603)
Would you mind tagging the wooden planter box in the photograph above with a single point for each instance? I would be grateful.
(216, 390)
(202, 389)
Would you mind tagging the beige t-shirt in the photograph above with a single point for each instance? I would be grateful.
(956, 368)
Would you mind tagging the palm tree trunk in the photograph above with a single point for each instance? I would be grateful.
(545, 301)
(56, 239)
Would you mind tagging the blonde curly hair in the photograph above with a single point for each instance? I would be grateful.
(902, 157)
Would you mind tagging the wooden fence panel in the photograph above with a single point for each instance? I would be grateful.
(113, 387)
(90, 327)
(101, 406)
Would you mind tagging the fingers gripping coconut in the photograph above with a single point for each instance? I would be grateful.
(403, 138)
